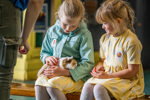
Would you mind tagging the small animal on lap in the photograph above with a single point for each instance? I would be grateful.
(64, 63)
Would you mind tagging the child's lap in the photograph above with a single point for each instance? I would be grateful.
(119, 87)
(65, 84)
(116, 83)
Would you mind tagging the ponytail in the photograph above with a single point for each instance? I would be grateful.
(131, 15)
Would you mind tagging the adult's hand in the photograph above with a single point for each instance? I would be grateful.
(24, 47)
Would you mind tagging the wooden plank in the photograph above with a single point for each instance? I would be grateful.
(22, 89)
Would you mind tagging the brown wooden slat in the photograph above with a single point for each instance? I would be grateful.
(22, 89)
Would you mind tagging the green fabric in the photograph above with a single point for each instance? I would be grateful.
(10, 28)
(78, 44)
(10, 20)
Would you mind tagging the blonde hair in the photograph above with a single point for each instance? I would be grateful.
(71, 8)
(110, 10)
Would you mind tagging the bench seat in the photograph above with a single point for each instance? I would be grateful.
(22, 89)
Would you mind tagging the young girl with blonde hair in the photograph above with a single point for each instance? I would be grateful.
(68, 37)
(119, 73)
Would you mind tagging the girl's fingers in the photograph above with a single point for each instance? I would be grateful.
(93, 73)
(47, 63)
(48, 72)
(54, 60)
(102, 69)
(57, 60)
(51, 62)
(95, 69)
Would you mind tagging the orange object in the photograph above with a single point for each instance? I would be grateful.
(119, 54)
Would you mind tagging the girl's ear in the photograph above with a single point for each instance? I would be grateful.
(58, 15)
(119, 20)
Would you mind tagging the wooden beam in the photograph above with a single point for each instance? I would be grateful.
(22, 89)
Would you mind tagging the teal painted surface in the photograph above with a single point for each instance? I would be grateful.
(27, 82)
(147, 82)
(14, 97)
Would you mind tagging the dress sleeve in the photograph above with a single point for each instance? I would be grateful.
(134, 49)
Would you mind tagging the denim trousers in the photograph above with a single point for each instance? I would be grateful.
(10, 28)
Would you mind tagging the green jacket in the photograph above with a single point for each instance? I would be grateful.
(78, 44)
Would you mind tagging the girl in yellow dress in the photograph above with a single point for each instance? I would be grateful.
(119, 73)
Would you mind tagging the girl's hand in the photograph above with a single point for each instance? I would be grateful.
(100, 75)
(56, 71)
(51, 60)
(98, 68)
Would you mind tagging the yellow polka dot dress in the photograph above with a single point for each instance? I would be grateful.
(64, 84)
(118, 52)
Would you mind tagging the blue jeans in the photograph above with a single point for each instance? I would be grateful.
(10, 28)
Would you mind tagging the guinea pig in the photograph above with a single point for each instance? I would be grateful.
(64, 63)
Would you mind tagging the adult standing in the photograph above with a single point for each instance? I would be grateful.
(10, 30)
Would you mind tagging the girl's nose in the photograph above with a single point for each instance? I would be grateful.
(68, 28)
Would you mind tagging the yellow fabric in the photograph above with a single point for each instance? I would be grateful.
(64, 84)
(118, 52)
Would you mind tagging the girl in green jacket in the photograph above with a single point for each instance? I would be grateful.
(69, 36)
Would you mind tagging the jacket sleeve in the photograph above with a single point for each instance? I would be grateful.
(82, 71)
(46, 49)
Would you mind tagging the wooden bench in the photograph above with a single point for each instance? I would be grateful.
(23, 89)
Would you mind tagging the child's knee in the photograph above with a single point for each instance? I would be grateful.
(39, 88)
(99, 89)
(88, 86)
